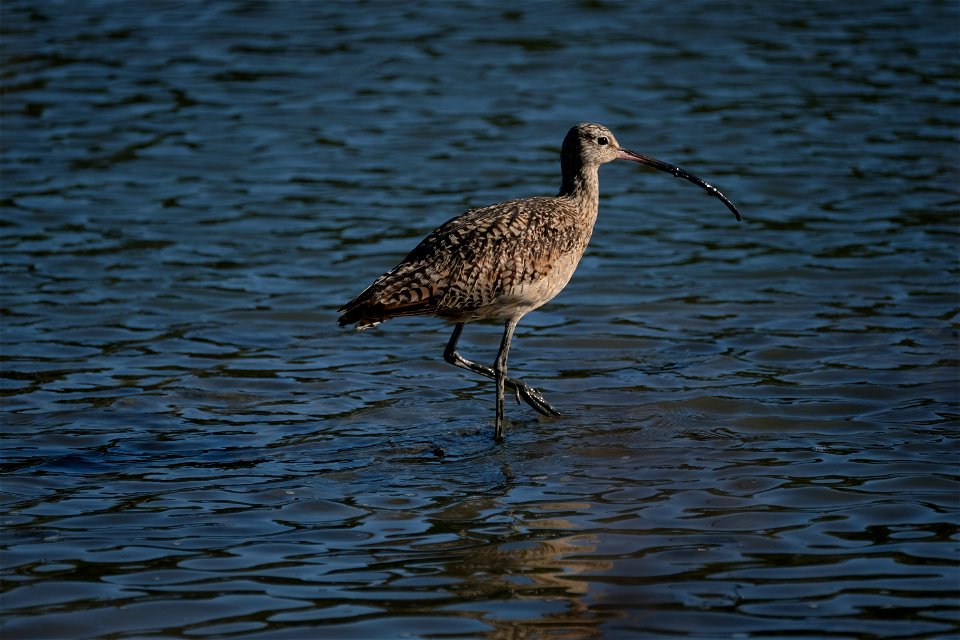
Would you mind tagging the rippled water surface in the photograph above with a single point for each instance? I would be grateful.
(760, 432)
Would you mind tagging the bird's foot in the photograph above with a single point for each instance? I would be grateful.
(534, 398)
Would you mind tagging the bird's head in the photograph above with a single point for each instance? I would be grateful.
(590, 145)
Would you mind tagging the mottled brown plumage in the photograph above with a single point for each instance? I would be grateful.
(502, 261)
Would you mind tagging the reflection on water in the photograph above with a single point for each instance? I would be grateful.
(760, 420)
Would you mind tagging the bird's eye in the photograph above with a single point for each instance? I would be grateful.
(602, 140)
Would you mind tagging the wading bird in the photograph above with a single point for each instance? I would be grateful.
(502, 261)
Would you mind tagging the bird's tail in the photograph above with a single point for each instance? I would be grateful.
(383, 300)
(359, 315)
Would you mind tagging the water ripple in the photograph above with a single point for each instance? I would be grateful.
(759, 433)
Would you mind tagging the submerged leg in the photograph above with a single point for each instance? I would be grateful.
(522, 390)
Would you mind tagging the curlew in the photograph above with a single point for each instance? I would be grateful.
(502, 261)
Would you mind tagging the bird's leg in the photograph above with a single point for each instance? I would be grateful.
(500, 371)
(522, 390)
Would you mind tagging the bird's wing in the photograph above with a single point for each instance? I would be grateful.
(469, 261)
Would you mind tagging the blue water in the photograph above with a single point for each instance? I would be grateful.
(760, 431)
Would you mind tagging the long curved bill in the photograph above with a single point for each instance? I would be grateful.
(626, 154)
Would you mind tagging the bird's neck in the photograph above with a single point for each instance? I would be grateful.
(583, 187)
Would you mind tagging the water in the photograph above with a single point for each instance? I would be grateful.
(760, 432)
